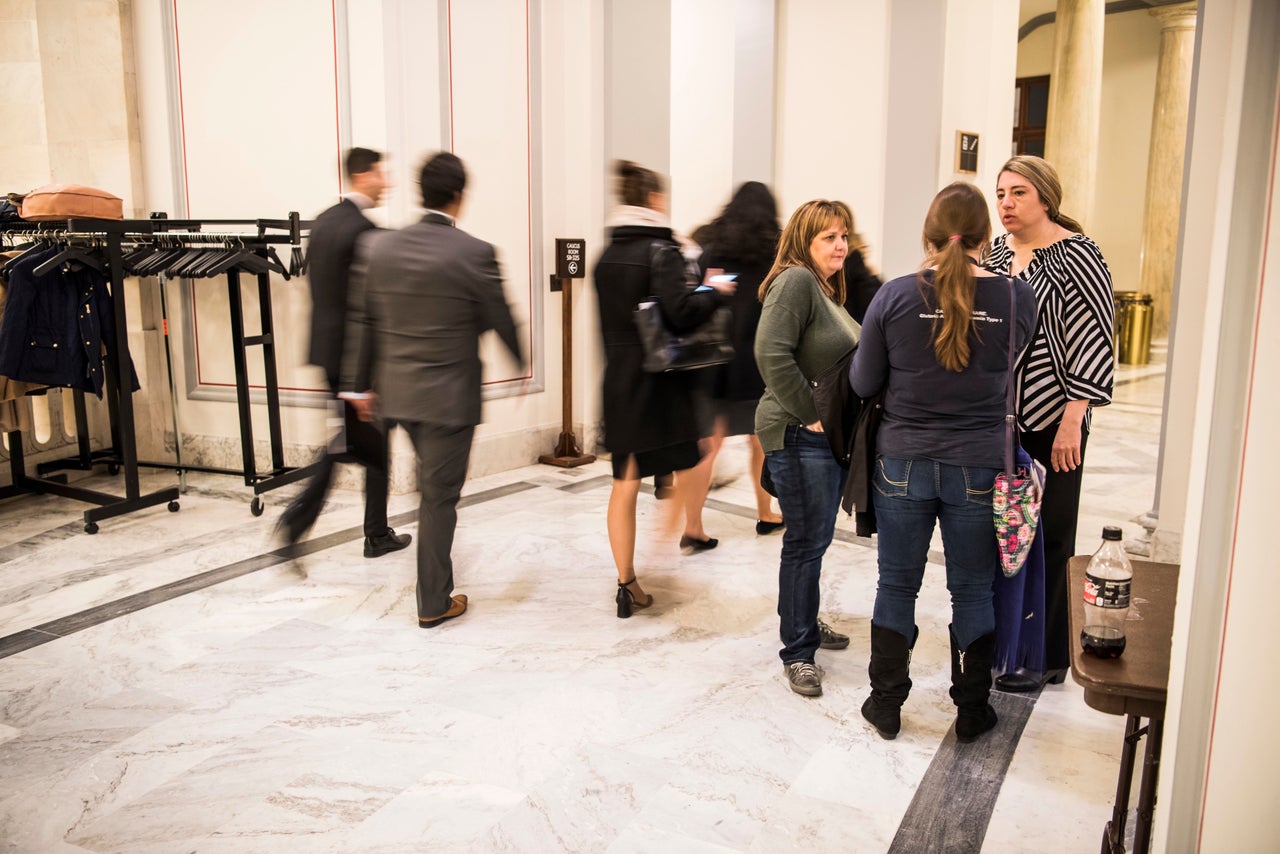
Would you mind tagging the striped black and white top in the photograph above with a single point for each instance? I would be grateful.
(1071, 353)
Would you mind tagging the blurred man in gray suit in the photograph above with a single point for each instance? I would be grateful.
(420, 299)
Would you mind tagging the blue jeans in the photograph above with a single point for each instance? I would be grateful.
(909, 495)
(807, 479)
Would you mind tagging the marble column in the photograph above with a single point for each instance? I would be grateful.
(1075, 103)
(1164, 166)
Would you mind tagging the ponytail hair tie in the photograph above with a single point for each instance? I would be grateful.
(954, 237)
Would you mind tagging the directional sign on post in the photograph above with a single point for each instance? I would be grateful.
(571, 263)
(571, 258)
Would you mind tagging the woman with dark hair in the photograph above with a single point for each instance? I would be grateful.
(1067, 371)
(651, 424)
(861, 282)
(742, 241)
(803, 331)
(938, 344)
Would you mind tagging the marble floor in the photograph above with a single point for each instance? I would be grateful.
(178, 682)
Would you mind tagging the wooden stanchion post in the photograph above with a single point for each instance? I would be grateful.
(570, 264)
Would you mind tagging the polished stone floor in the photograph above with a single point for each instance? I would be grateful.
(176, 682)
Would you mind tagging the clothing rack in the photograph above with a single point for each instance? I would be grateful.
(106, 236)
(267, 234)
(192, 252)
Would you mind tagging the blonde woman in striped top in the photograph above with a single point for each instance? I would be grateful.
(1066, 370)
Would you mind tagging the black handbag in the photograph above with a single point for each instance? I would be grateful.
(700, 347)
(664, 350)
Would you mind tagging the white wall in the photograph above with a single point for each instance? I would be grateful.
(210, 151)
(832, 99)
(1218, 774)
(978, 90)
(1131, 49)
(1129, 59)
(25, 147)
(573, 168)
(754, 99)
(703, 42)
(878, 129)
(722, 102)
(1238, 817)
(916, 83)
(638, 82)
(950, 71)
(406, 77)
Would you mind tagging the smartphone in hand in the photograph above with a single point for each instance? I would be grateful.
(722, 277)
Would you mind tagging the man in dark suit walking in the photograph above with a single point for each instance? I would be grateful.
(332, 246)
(420, 299)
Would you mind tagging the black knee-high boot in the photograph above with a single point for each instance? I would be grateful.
(890, 679)
(971, 686)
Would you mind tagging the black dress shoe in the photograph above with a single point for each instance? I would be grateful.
(699, 545)
(388, 542)
(763, 527)
(1022, 680)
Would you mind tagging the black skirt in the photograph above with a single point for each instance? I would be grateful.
(664, 460)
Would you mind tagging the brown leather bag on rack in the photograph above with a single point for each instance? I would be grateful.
(63, 201)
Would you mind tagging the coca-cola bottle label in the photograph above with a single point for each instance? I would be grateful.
(1106, 592)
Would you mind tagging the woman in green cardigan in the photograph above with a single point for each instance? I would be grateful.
(803, 330)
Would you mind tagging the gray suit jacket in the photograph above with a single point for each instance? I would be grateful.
(420, 298)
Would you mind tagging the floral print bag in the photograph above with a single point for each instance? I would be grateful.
(1019, 489)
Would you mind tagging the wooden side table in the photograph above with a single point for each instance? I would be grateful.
(1135, 685)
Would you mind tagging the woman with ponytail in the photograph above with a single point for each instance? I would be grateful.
(937, 343)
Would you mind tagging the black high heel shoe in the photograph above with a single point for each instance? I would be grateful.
(687, 542)
(627, 601)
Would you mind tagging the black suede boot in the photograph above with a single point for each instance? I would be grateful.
(971, 686)
(890, 679)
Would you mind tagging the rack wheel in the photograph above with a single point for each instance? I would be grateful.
(113, 469)
(173, 507)
(91, 527)
(257, 506)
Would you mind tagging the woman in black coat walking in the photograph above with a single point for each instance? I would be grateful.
(650, 420)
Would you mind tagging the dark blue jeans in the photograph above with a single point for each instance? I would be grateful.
(808, 481)
(909, 495)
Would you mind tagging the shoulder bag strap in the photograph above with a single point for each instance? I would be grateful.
(1008, 413)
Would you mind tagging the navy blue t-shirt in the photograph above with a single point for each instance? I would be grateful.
(931, 413)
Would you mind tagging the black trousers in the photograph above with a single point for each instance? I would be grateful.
(366, 445)
(1058, 514)
(443, 454)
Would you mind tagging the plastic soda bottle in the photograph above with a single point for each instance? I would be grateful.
(1107, 580)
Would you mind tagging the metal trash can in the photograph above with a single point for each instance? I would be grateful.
(1133, 327)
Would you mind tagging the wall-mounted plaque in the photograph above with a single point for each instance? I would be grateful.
(966, 152)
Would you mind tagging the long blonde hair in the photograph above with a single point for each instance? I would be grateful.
(957, 222)
(809, 220)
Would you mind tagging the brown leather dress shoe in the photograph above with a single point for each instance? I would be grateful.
(456, 609)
